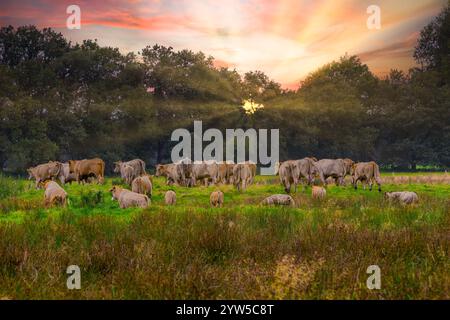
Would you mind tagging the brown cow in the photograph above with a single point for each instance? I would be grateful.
(137, 169)
(83, 169)
(173, 173)
(54, 194)
(318, 192)
(170, 198)
(45, 171)
(366, 172)
(142, 185)
(216, 199)
(129, 198)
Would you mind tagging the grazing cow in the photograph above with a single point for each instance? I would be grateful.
(335, 168)
(173, 173)
(307, 169)
(318, 192)
(222, 173)
(83, 169)
(279, 199)
(170, 198)
(226, 171)
(127, 173)
(366, 172)
(137, 165)
(285, 171)
(252, 166)
(64, 174)
(242, 176)
(216, 199)
(129, 198)
(142, 185)
(206, 171)
(54, 194)
(46, 171)
(403, 197)
(185, 171)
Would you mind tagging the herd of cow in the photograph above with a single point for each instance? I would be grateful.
(189, 174)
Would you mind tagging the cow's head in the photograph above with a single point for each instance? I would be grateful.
(117, 166)
(348, 163)
(30, 173)
(115, 191)
(160, 170)
(72, 166)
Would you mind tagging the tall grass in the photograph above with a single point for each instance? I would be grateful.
(317, 250)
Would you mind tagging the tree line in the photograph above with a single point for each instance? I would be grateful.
(60, 100)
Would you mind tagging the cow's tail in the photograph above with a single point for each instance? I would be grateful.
(102, 171)
(142, 164)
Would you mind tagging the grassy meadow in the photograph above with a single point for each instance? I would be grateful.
(317, 250)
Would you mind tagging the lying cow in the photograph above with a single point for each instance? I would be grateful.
(129, 198)
(170, 198)
(137, 169)
(366, 172)
(86, 168)
(45, 171)
(318, 192)
(216, 199)
(142, 185)
(278, 199)
(403, 197)
(54, 194)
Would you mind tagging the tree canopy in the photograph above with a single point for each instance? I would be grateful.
(60, 100)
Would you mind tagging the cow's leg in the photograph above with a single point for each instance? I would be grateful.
(337, 181)
(370, 184)
(355, 183)
(378, 181)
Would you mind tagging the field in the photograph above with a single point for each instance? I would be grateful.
(317, 250)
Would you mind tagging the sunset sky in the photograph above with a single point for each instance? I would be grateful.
(286, 39)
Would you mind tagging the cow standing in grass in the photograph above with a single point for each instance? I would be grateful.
(137, 169)
(335, 168)
(86, 168)
(366, 172)
(242, 176)
(142, 185)
(43, 172)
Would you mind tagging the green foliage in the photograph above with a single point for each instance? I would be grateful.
(61, 101)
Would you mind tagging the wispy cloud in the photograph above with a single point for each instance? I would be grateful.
(287, 39)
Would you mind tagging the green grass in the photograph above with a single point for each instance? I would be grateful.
(317, 250)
